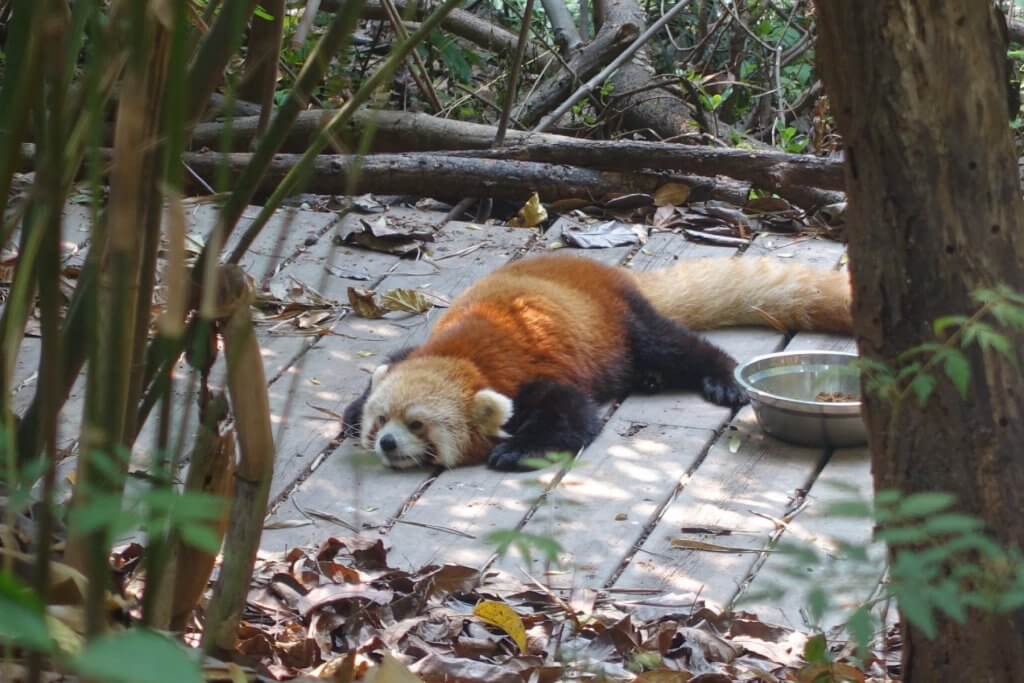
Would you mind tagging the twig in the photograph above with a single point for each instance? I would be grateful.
(419, 73)
(513, 78)
(624, 57)
(434, 527)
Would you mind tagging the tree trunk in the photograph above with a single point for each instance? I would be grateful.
(428, 175)
(917, 91)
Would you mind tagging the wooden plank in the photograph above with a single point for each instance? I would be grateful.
(813, 251)
(286, 234)
(477, 501)
(745, 474)
(846, 468)
(26, 369)
(664, 249)
(451, 519)
(331, 270)
(848, 583)
(603, 504)
(717, 575)
(450, 522)
(340, 365)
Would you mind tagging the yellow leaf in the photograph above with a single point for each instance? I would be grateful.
(531, 215)
(671, 194)
(504, 617)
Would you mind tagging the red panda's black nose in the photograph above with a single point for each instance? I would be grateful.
(388, 443)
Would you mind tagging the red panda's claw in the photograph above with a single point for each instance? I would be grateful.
(507, 458)
(724, 392)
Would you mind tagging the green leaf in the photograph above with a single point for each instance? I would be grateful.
(958, 370)
(453, 56)
(848, 508)
(991, 340)
(861, 628)
(200, 536)
(102, 512)
(817, 603)
(22, 621)
(940, 324)
(923, 385)
(816, 649)
(888, 497)
(923, 504)
(952, 523)
(903, 535)
(262, 13)
(916, 610)
(137, 656)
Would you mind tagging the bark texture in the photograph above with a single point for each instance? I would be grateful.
(935, 208)
(458, 22)
(427, 174)
(655, 110)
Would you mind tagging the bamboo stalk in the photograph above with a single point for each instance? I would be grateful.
(110, 367)
(250, 404)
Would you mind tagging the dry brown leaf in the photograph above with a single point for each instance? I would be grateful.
(408, 300)
(672, 194)
(834, 672)
(332, 593)
(663, 677)
(364, 304)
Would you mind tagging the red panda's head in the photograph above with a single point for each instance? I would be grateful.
(432, 410)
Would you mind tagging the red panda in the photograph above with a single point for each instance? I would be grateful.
(519, 363)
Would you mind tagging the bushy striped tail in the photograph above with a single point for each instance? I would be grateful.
(721, 292)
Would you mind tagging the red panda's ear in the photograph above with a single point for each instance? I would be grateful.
(378, 375)
(491, 410)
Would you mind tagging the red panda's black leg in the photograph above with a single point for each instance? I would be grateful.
(670, 356)
(546, 417)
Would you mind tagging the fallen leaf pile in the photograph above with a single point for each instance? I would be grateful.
(340, 612)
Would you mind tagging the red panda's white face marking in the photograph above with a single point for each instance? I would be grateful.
(426, 411)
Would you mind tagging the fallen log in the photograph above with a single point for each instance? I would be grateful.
(458, 22)
(767, 170)
(447, 177)
(412, 132)
(396, 132)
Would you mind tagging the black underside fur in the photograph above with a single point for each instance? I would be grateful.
(663, 355)
(551, 416)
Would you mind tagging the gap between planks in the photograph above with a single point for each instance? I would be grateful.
(608, 571)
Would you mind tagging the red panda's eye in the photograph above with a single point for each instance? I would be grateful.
(381, 420)
(415, 425)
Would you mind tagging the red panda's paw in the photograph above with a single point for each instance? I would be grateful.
(724, 392)
(509, 458)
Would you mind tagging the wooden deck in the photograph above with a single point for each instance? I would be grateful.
(665, 470)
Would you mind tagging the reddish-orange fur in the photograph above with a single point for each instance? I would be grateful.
(549, 317)
(535, 346)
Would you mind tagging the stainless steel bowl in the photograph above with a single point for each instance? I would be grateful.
(784, 391)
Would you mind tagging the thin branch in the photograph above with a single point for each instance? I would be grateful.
(624, 57)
